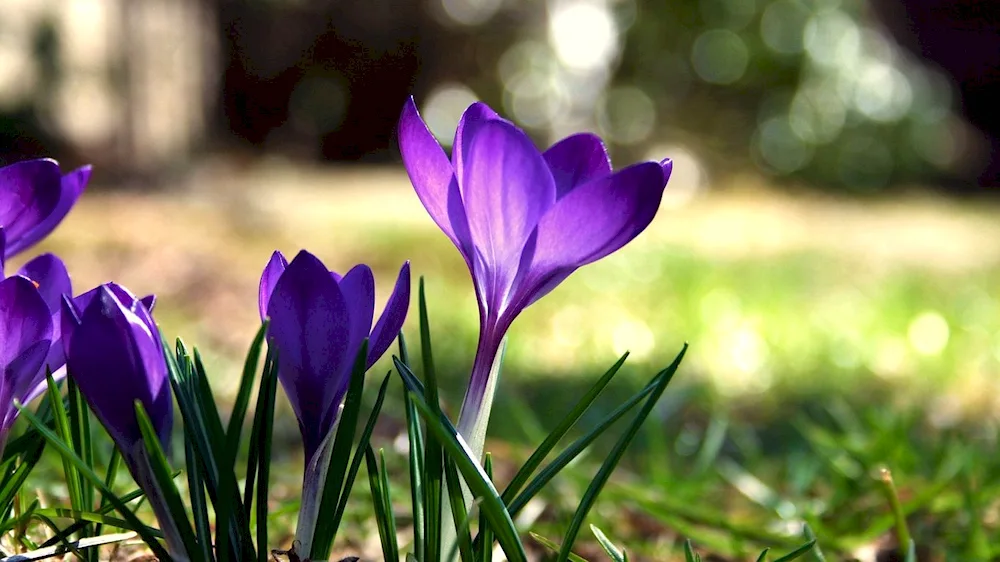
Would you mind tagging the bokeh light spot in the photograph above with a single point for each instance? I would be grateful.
(928, 333)
(782, 24)
(583, 34)
(626, 115)
(444, 107)
(719, 56)
(779, 148)
(470, 12)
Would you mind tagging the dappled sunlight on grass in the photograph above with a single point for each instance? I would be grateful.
(773, 291)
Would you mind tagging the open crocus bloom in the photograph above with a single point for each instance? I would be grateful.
(34, 198)
(318, 323)
(523, 219)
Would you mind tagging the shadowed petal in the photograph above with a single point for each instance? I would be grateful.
(26, 336)
(310, 327)
(599, 217)
(393, 315)
(576, 160)
(3, 251)
(358, 288)
(29, 192)
(50, 273)
(507, 187)
(272, 271)
(24, 319)
(71, 186)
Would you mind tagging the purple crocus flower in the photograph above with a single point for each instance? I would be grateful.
(34, 198)
(111, 341)
(49, 280)
(25, 338)
(115, 355)
(318, 321)
(524, 220)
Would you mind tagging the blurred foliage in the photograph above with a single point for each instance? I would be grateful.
(807, 89)
(810, 90)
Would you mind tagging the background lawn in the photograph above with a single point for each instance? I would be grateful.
(829, 338)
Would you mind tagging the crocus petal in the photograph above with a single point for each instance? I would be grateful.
(599, 217)
(29, 192)
(576, 160)
(3, 251)
(310, 327)
(71, 186)
(24, 319)
(272, 271)
(393, 315)
(26, 333)
(428, 166)
(111, 346)
(50, 274)
(474, 116)
(667, 165)
(507, 187)
(358, 289)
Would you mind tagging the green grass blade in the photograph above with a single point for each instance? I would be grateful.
(114, 465)
(165, 482)
(616, 554)
(459, 512)
(386, 528)
(553, 438)
(266, 432)
(480, 485)
(689, 554)
(203, 428)
(79, 424)
(574, 449)
(390, 518)
(340, 456)
(604, 473)
(67, 453)
(16, 478)
(229, 507)
(234, 430)
(88, 516)
(484, 541)
(809, 535)
(763, 555)
(797, 553)
(199, 505)
(62, 428)
(554, 547)
(363, 442)
(415, 458)
(433, 457)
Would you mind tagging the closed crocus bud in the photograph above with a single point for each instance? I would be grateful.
(25, 338)
(115, 356)
(318, 323)
(523, 219)
(111, 342)
(34, 198)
